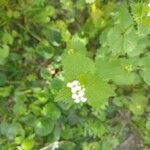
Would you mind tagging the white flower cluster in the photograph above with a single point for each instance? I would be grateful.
(78, 91)
(149, 11)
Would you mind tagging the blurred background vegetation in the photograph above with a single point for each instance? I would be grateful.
(33, 36)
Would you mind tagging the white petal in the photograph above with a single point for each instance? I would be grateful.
(75, 83)
(81, 93)
(69, 85)
(78, 87)
(77, 100)
(74, 89)
(83, 99)
(74, 96)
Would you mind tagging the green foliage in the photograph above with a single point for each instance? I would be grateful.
(122, 70)
(138, 104)
(104, 45)
(27, 144)
(144, 62)
(75, 65)
(43, 126)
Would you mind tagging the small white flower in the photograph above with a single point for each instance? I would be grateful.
(75, 96)
(69, 85)
(74, 89)
(81, 93)
(78, 91)
(83, 99)
(78, 88)
(77, 100)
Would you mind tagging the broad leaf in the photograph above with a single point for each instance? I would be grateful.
(75, 65)
(121, 71)
(43, 126)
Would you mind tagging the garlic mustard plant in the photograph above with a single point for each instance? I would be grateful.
(78, 91)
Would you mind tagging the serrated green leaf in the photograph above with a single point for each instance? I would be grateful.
(95, 89)
(103, 37)
(121, 71)
(64, 98)
(130, 40)
(115, 40)
(145, 73)
(94, 128)
(142, 44)
(75, 65)
(56, 85)
(77, 44)
(125, 18)
(145, 69)
(123, 42)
